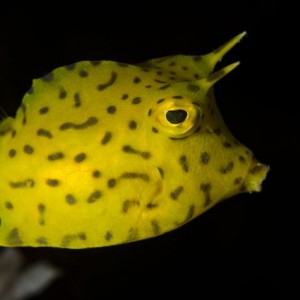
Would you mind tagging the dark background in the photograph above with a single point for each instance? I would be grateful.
(244, 248)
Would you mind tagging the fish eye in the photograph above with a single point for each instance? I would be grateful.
(176, 116)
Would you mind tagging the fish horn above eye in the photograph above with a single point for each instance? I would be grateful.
(211, 79)
(208, 61)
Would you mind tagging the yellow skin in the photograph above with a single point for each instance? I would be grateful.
(104, 153)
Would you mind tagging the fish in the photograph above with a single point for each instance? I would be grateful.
(103, 153)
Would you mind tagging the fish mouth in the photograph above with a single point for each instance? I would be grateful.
(256, 175)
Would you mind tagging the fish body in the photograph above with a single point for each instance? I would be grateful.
(103, 153)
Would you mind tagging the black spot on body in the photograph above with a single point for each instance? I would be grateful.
(129, 149)
(177, 97)
(227, 145)
(227, 168)
(155, 227)
(164, 87)
(13, 238)
(83, 73)
(107, 137)
(82, 236)
(88, 123)
(80, 157)
(111, 109)
(256, 169)
(28, 149)
(149, 112)
(27, 183)
(136, 100)
(41, 208)
(193, 87)
(111, 81)
(111, 183)
(176, 193)
(217, 131)
(132, 124)
(9, 205)
(62, 94)
(70, 199)
(206, 188)
(154, 129)
(131, 175)
(13, 133)
(183, 163)
(94, 197)
(160, 81)
(137, 80)
(55, 156)
(96, 174)
(24, 120)
(205, 158)
(124, 96)
(161, 172)
(12, 153)
(108, 235)
(42, 241)
(44, 110)
(190, 213)
(45, 133)
(128, 204)
(238, 181)
(77, 100)
(242, 159)
(160, 101)
(132, 235)
(52, 182)
(151, 205)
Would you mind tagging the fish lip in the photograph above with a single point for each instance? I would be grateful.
(257, 173)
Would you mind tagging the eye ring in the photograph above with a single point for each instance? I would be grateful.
(177, 118)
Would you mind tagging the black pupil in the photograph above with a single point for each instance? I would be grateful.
(176, 116)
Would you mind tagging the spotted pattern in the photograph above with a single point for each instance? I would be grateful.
(52, 182)
(227, 168)
(129, 204)
(56, 156)
(80, 157)
(44, 133)
(14, 238)
(143, 154)
(206, 188)
(28, 149)
(155, 227)
(12, 153)
(88, 123)
(27, 183)
(95, 196)
(176, 193)
(110, 82)
(94, 150)
(107, 137)
(70, 199)
(184, 163)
